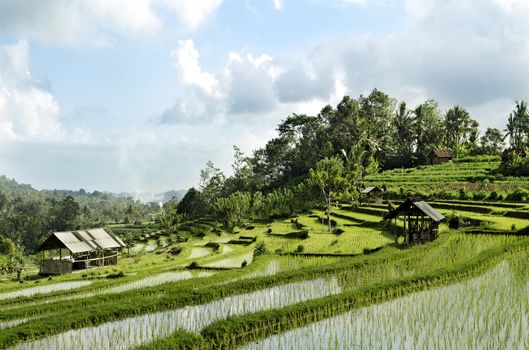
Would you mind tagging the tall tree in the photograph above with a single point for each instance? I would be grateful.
(329, 177)
(427, 126)
(492, 142)
(518, 126)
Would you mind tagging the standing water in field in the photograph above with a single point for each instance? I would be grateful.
(134, 331)
(44, 289)
(488, 312)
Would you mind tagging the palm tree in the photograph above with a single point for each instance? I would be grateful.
(518, 126)
(404, 129)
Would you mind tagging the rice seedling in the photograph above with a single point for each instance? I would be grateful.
(234, 262)
(488, 312)
(199, 252)
(44, 289)
(12, 323)
(134, 331)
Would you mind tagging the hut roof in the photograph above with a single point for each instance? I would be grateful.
(82, 241)
(371, 189)
(416, 205)
(441, 153)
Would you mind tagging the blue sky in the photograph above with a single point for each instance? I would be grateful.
(122, 95)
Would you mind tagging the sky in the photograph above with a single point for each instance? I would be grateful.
(137, 95)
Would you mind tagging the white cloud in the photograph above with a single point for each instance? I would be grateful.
(192, 12)
(73, 22)
(27, 111)
(186, 58)
(278, 4)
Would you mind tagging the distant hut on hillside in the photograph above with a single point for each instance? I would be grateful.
(421, 221)
(439, 157)
(82, 249)
(372, 194)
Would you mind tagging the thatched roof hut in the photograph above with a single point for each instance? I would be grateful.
(421, 221)
(439, 157)
(97, 246)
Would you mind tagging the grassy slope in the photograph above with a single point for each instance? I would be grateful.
(385, 269)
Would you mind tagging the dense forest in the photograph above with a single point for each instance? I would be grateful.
(316, 159)
(28, 215)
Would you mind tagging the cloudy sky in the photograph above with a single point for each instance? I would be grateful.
(137, 95)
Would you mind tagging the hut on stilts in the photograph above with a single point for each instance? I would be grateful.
(63, 252)
(420, 221)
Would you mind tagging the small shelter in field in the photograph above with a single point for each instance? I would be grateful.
(372, 194)
(63, 252)
(421, 221)
(439, 157)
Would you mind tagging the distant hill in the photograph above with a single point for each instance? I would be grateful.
(146, 197)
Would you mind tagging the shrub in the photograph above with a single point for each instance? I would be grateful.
(494, 196)
(300, 249)
(244, 263)
(334, 242)
(338, 231)
(269, 230)
(175, 250)
(116, 275)
(454, 222)
(479, 195)
(260, 249)
(213, 245)
(518, 195)
(193, 265)
(463, 194)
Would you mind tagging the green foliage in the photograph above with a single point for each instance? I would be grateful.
(7, 247)
(232, 210)
(518, 195)
(329, 177)
(192, 205)
(260, 249)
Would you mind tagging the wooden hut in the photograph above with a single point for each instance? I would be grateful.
(372, 194)
(63, 252)
(421, 221)
(439, 157)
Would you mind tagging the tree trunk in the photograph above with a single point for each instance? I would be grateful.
(329, 213)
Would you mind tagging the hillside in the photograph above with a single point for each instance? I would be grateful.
(262, 284)
(477, 176)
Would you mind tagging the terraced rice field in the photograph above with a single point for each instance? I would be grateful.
(331, 294)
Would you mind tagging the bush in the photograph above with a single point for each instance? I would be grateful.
(244, 263)
(116, 275)
(338, 231)
(480, 195)
(213, 245)
(494, 196)
(518, 195)
(463, 194)
(269, 230)
(300, 249)
(175, 250)
(454, 222)
(260, 249)
(193, 265)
